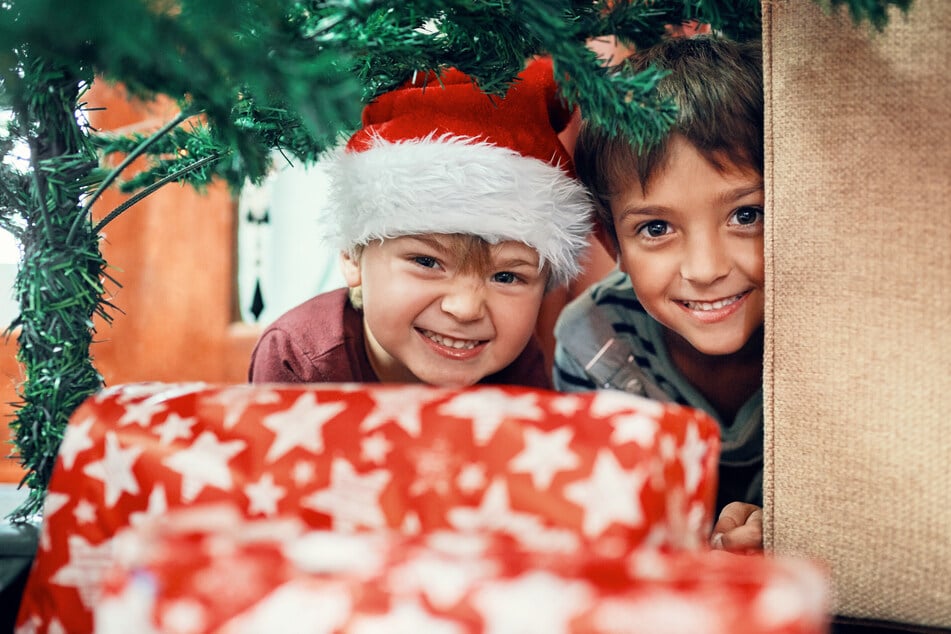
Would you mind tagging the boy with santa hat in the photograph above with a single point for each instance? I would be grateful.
(455, 213)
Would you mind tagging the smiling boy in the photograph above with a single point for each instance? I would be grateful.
(682, 318)
(446, 310)
(455, 212)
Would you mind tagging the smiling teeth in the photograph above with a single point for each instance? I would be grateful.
(712, 305)
(458, 344)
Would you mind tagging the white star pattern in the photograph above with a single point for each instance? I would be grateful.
(303, 473)
(157, 506)
(411, 524)
(545, 454)
(434, 464)
(566, 404)
(515, 606)
(334, 552)
(636, 427)
(791, 599)
(611, 494)
(490, 514)
(352, 500)
(662, 610)
(299, 607)
(657, 537)
(443, 581)
(172, 391)
(264, 495)
(667, 447)
(184, 615)
(84, 512)
(236, 399)
(84, 568)
(30, 626)
(494, 513)
(610, 402)
(115, 469)
(129, 610)
(126, 392)
(471, 478)
(75, 441)
(488, 408)
(406, 616)
(204, 463)
(54, 502)
(141, 413)
(400, 405)
(687, 525)
(691, 457)
(300, 426)
(56, 627)
(174, 427)
(375, 448)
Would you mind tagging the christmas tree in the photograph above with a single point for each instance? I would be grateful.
(251, 77)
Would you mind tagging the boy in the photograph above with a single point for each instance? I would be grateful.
(455, 212)
(682, 318)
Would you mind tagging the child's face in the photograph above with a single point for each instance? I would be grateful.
(428, 319)
(693, 248)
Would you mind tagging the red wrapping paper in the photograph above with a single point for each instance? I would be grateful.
(600, 473)
(177, 578)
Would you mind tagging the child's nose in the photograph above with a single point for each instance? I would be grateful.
(705, 260)
(465, 301)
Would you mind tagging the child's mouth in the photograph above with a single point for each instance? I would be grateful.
(717, 305)
(449, 342)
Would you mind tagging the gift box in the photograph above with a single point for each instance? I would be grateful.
(601, 472)
(180, 577)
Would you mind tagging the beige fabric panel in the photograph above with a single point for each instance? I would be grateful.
(858, 353)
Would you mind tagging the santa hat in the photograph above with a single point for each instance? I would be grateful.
(438, 155)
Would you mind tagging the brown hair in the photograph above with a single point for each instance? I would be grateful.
(717, 85)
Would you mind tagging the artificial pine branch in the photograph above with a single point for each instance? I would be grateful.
(616, 103)
(171, 178)
(133, 154)
(874, 11)
(58, 284)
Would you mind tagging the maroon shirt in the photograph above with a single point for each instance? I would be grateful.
(321, 341)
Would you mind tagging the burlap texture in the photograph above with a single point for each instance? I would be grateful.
(858, 252)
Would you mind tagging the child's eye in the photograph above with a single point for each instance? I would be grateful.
(654, 229)
(748, 215)
(505, 277)
(426, 261)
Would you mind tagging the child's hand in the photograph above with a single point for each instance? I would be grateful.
(739, 528)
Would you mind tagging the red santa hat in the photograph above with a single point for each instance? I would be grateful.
(438, 155)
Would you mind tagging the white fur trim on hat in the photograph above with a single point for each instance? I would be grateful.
(459, 185)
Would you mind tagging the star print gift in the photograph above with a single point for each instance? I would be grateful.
(441, 581)
(601, 472)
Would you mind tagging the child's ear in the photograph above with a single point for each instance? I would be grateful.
(350, 265)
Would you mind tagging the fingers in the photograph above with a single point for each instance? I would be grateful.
(734, 515)
(739, 528)
(745, 539)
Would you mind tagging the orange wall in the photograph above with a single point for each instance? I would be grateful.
(174, 254)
